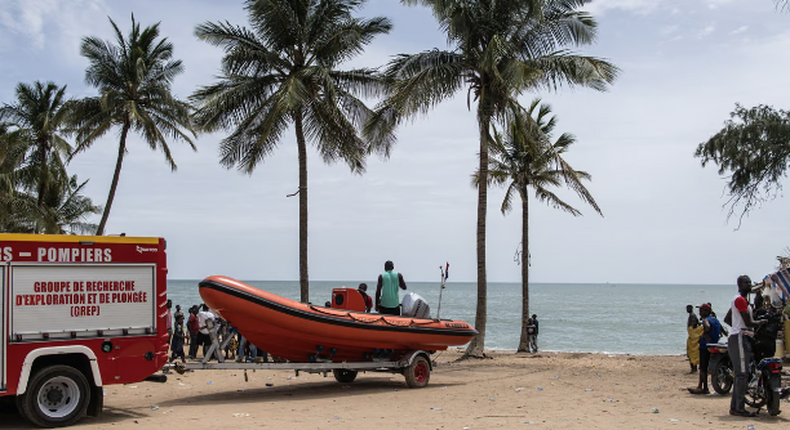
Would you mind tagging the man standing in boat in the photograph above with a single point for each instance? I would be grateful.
(387, 301)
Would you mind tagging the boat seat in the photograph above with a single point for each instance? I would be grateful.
(348, 298)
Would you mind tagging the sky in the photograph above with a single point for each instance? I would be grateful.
(684, 65)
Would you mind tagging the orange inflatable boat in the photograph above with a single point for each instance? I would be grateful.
(305, 333)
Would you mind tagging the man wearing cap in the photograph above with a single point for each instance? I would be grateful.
(739, 344)
(711, 331)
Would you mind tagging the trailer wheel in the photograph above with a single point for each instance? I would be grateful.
(418, 373)
(344, 375)
(57, 396)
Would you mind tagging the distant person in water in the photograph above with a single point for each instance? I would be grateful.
(387, 301)
(692, 342)
(363, 289)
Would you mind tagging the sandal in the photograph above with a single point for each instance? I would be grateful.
(698, 391)
(743, 413)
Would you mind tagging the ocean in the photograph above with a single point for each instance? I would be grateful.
(603, 318)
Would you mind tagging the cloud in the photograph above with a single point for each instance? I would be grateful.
(37, 22)
(741, 29)
(637, 6)
(708, 30)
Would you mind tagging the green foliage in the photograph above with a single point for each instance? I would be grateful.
(283, 71)
(36, 193)
(284, 68)
(524, 157)
(134, 76)
(753, 151)
(499, 50)
(39, 116)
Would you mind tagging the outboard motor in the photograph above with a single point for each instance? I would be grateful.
(413, 305)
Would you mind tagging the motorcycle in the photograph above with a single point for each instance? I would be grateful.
(720, 368)
(765, 376)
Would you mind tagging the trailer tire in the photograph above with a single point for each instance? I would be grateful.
(56, 396)
(344, 376)
(418, 373)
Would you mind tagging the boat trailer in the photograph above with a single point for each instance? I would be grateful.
(415, 366)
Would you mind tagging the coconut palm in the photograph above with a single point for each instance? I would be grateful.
(134, 78)
(524, 158)
(499, 49)
(39, 116)
(282, 71)
(12, 152)
(66, 209)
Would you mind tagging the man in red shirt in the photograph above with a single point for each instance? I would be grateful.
(739, 344)
(193, 326)
(363, 289)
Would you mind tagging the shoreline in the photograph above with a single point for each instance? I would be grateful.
(507, 390)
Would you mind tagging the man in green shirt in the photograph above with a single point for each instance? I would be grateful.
(387, 301)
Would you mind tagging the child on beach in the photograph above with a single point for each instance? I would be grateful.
(177, 343)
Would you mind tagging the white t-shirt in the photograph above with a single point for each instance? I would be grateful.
(202, 317)
(738, 305)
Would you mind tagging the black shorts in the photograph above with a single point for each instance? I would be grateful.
(704, 359)
(389, 311)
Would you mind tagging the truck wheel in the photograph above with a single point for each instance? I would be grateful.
(56, 396)
(344, 375)
(418, 373)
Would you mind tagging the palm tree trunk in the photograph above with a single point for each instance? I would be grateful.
(476, 347)
(523, 344)
(115, 177)
(42, 182)
(304, 284)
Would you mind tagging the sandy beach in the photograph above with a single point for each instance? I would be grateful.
(508, 390)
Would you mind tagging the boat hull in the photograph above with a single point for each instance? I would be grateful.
(302, 332)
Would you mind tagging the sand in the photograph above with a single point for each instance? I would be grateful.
(509, 390)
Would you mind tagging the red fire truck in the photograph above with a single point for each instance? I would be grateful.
(78, 313)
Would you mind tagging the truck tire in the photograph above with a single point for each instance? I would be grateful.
(418, 373)
(344, 375)
(56, 396)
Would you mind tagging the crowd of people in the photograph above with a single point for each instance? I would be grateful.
(753, 328)
(196, 333)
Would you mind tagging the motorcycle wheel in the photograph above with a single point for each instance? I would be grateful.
(756, 392)
(773, 403)
(721, 377)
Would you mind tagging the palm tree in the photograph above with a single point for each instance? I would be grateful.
(523, 158)
(282, 71)
(499, 49)
(66, 209)
(39, 115)
(12, 152)
(134, 78)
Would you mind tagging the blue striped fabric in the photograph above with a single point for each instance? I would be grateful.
(782, 280)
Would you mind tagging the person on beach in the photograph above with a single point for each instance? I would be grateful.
(692, 342)
(178, 312)
(537, 330)
(532, 335)
(387, 301)
(711, 331)
(363, 289)
(739, 344)
(169, 318)
(177, 344)
(206, 319)
(193, 327)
